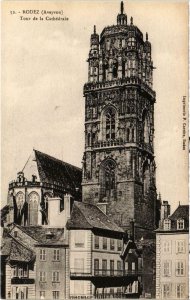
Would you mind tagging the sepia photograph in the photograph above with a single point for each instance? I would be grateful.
(94, 149)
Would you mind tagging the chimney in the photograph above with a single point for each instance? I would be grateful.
(165, 210)
(56, 217)
(132, 229)
(102, 206)
(68, 203)
(53, 210)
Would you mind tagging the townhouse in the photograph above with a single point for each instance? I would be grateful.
(97, 268)
(172, 255)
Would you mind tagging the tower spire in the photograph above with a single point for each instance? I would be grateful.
(94, 29)
(121, 17)
(122, 7)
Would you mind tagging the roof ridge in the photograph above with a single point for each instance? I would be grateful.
(21, 228)
(57, 159)
(107, 219)
(82, 212)
(26, 162)
(112, 222)
(182, 211)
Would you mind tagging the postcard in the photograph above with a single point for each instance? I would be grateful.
(94, 151)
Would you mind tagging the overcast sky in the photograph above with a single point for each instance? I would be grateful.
(44, 69)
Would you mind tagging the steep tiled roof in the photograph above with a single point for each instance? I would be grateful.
(182, 212)
(58, 241)
(56, 238)
(3, 213)
(21, 249)
(53, 170)
(129, 245)
(88, 216)
(39, 233)
(20, 253)
(6, 246)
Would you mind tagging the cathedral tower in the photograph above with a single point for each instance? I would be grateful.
(118, 161)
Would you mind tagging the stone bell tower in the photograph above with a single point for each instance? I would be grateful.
(118, 161)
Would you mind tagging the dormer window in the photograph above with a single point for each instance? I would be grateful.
(167, 224)
(180, 224)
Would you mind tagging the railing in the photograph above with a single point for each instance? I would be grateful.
(81, 296)
(24, 183)
(109, 143)
(113, 29)
(22, 280)
(37, 184)
(103, 273)
(120, 28)
(118, 295)
(103, 296)
(89, 86)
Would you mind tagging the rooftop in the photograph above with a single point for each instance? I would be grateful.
(181, 213)
(21, 248)
(40, 233)
(5, 246)
(88, 216)
(53, 170)
(20, 253)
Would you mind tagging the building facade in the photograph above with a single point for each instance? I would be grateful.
(132, 264)
(97, 268)
(172, 255)
(118, 162)
(42, 178)
(66, 249)
(84, 259)
(19, 265)
(52, 267)
(35, 263)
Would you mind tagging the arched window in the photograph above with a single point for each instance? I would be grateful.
(123, 69)
(44, 208)
(33, 202)
(105, 71)
(108, 44)
(93, 138)
(133, 135)
(107, 179)
(20, 200)
(146, 178)
(115, 69)
(88, 139)
(19, 218)
(110, 124)
(146, 128)
(128, 109)
(128, 134)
